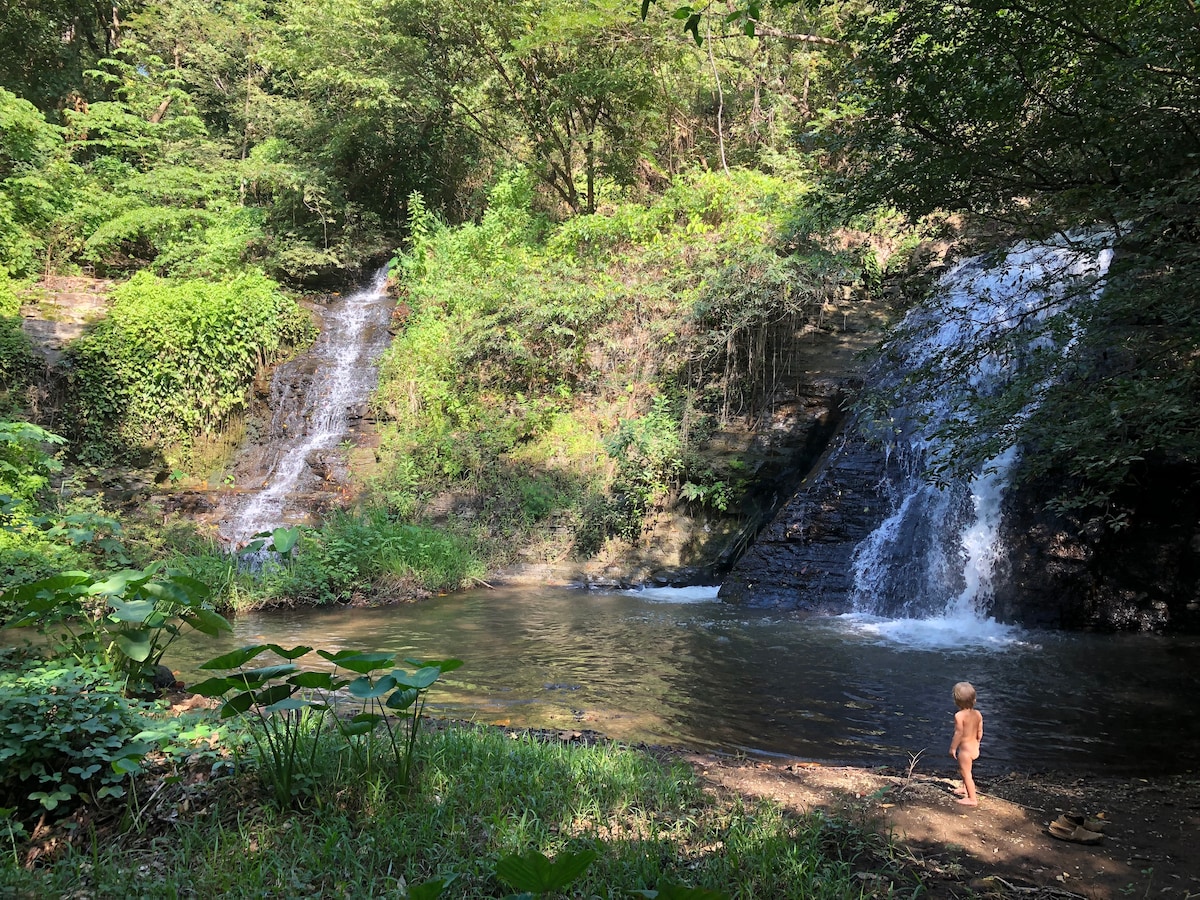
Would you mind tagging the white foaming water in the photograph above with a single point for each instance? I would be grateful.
(314, 414)
(929, 569)
(956, 631)
(700, 593)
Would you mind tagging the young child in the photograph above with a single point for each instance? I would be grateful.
(968, 732)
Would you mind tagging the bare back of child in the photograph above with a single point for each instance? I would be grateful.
(968, 735)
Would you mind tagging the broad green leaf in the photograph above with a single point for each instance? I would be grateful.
(430, 890)
(136, 611)
(213, 687)
(237, 705)
(127, 765)
(294, 653)
(168, 591)
(322, 680)
(47, 586)
(235, 658)
(364, 689)
(208, 621)
(274, 694)
(354, 729)
(402, 699)
(535, 873)
(359, 661)
(117, 583)
(446, 665)
(196, 589)
(284, 539)
(135, 644)
(420, 679)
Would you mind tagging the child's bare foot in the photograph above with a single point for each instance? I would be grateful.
(967, 801)
(959, 791)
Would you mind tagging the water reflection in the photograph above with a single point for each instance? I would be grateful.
(704, 674)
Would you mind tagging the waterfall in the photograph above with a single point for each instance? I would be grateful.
(313, 400)
(938, 553)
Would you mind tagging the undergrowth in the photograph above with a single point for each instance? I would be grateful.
(484, 794)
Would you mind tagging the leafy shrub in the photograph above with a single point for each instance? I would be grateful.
(354, 550)
(174, 358)
(67, 733)
(524, 344)
(25, 464)
(125, 621)
(649, 455)
(287, 710)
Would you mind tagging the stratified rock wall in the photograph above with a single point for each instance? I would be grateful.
(801, 561)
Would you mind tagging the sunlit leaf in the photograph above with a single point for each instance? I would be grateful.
(420, 679)
(359, 661)
(209, 622)
(364, 689)
(136, 611)
(235, 658)
(135, 644)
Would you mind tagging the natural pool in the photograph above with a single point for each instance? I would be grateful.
(676, 666)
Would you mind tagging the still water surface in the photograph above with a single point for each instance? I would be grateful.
(678, 667)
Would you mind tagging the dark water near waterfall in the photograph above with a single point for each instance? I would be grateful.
(677, 667)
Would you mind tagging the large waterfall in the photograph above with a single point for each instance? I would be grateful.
(938, 551)
(313, 399)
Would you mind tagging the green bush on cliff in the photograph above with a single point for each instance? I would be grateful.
(18, 364)
(174, 358)
(530, 353)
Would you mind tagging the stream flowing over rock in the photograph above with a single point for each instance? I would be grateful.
(314, 401)
(869, 533)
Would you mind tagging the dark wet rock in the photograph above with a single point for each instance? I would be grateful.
(801, 561)
(1066, 572)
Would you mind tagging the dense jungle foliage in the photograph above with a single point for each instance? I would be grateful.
(571, 185)
(604, 218)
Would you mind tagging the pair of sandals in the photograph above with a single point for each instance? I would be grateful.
(1078, 828)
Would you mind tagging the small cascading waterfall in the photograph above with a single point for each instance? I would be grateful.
(313, 399)
(937, 553)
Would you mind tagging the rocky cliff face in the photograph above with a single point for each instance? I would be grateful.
(801, 561)
(1054, 571)
(1145, 576)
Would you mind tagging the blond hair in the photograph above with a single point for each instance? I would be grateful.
(964, 695)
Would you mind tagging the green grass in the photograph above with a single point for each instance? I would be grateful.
(482, 794)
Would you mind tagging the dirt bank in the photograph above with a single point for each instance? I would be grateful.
(1151, 846)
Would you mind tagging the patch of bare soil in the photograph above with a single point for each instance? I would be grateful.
(1150, 848)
